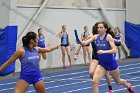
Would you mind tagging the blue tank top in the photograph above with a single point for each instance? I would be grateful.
(85, 34)
(64, 39)
(117, 36)
(41, 40)
(29, 63)
(104, 45)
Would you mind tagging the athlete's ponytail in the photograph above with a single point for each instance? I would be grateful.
(95, 29)
(111, 32)
(26, 39)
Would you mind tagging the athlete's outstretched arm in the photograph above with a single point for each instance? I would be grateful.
(79, 46)
(88, 37)
(86, 42)
(47, 49)
(19, 53)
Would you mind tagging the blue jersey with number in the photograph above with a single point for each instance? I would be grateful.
(29, 66)
(29, 62)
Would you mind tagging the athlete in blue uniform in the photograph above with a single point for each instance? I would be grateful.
(29, 57)
(41, 38)
(94, 62)
(41, 43)
(105, 50)
(86, 49)
(65, 46)
(118, 39)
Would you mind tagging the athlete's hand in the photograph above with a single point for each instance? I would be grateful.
(100, 51)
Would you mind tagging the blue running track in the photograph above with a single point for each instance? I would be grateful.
(78, 81)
